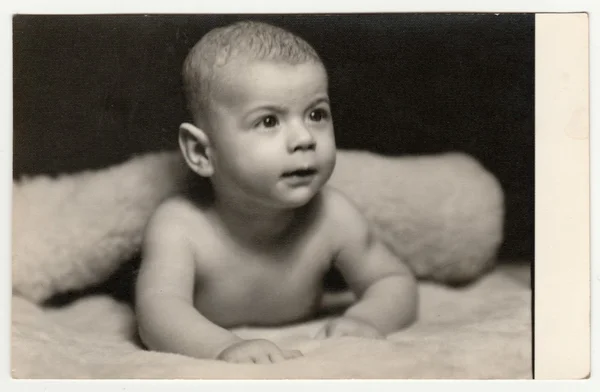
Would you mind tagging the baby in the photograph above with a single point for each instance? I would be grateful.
(256, 250)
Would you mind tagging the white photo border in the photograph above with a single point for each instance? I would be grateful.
(553, 265)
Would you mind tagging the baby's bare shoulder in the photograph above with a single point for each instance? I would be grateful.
(178, 234)
(345, 219)
(176, 216)
(338, 206)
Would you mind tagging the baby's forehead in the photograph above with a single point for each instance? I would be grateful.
(273, 72)
(261, 82)
(240, 64)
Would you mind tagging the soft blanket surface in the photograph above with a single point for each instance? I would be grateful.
(479, 331)
(442, 214)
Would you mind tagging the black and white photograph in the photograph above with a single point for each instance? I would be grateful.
(274, 196)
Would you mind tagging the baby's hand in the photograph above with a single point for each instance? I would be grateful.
(347, 326)
(256, 351)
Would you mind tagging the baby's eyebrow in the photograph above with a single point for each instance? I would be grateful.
(266, 108)
(282, 109)
(320, 100)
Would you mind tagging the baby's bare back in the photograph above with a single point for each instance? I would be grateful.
(253, 284)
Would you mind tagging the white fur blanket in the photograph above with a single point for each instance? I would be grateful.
(483, 331)
(443, 214)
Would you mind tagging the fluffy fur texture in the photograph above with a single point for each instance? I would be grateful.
(479, 332)
(73, 231)
(443, 214)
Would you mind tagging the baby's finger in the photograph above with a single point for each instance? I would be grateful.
(291, 354)
(323, 332)
(261, 359)
(370, 333)
(240, 360)
(276, 357)
(378, 335)
(336, 331)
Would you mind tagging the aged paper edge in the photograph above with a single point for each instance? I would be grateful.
(562, 216)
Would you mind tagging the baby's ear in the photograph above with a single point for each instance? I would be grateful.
(195, 147)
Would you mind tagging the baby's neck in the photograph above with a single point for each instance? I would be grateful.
(257, 225)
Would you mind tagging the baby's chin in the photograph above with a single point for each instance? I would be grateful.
(296, 198)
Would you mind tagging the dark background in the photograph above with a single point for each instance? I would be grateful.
(94, 90)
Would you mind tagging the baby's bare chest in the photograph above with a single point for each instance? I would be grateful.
(263, 287)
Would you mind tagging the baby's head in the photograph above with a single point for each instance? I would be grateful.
(226, 49)
(262, 128)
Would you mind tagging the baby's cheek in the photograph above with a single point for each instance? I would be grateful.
(328, 160)
(256, 160)
(326, 144)
(267, 165)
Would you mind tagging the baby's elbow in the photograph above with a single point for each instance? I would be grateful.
(412, 303)
(146, 332)
(407, 294)
(403, 281)
(411, 316)
(145, 338)
(154, 336)
(148, 325)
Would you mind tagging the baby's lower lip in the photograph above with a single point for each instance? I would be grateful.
(300, 173)
(299, 177)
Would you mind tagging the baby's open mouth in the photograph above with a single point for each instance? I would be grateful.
(300, 173)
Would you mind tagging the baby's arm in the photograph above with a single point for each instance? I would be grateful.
(167, 318)
(385, 286)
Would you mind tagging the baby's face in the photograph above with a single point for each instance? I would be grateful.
(272, 133)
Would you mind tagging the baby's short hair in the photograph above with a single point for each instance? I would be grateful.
(248, 40)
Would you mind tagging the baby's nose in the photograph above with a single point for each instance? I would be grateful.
(301, 139)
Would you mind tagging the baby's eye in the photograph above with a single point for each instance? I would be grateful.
(318, 115)
(268, 122)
